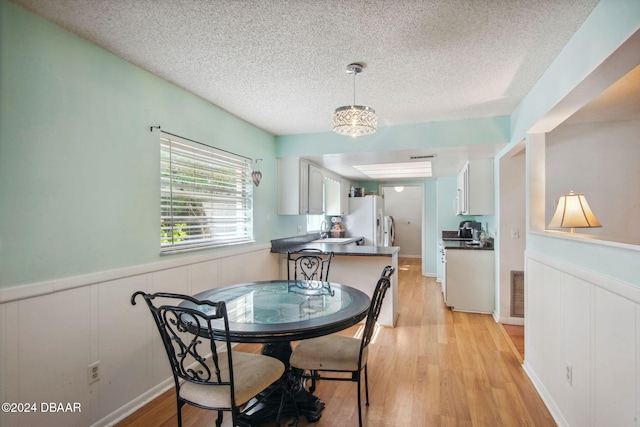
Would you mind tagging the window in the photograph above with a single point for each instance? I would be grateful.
(206, 196)
(314, 222)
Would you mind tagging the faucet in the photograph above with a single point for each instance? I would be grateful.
(323, 229)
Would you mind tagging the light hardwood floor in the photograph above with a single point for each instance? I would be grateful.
(436, 368)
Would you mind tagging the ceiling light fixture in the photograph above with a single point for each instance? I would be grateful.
(354, 120)
(404, 170)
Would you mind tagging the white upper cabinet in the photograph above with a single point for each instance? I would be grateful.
(336, 195)
(300, 187)
(316, 191)
(345, 188)
(475, 188)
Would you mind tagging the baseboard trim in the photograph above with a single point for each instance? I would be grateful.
(137, 403)
(544, 395)
(518, 321)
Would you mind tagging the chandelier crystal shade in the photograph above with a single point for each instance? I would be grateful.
(354, 120)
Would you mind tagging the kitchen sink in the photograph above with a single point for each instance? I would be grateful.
(334, 240)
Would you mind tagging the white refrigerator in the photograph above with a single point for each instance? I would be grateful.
(366, 219)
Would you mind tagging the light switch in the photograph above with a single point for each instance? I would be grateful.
(515, 233)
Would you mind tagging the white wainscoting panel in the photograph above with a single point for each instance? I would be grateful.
(543, 327)
(590, 322)
(577, 307)
(204, 275)
(123, 326)
(51, 332)
(615, 347)
(53, 340)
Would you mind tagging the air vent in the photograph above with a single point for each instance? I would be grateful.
(428, 156)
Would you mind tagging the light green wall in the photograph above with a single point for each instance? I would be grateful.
(490, 130)
(79, 168)
(78, 165)
(608, 26)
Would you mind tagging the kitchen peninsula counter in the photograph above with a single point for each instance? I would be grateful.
(340, 249)
(356, 266)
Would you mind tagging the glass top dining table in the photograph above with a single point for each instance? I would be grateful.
(288, 310)
(277, 312)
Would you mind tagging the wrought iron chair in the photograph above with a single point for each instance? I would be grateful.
(338, 353)
(209, 376)
(308, 264)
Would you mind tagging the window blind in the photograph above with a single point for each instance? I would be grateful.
(206, 196)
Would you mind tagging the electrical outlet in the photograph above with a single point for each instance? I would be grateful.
(299, 229)
(568, 373)
(94, 372)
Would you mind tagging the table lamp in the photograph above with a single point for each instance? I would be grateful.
(573, 212)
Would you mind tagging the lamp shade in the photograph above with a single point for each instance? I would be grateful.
(573, 211)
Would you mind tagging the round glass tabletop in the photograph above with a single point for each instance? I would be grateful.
(288, 310)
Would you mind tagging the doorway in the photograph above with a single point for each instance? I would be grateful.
(405, 204)
(512, 243)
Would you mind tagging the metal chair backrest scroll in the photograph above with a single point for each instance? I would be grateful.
(203, 372)
(308, 264)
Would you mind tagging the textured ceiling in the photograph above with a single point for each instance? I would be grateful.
(280, 64)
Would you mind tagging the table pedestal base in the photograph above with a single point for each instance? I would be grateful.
(307, 404)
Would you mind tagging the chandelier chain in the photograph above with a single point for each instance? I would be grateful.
(354, 87)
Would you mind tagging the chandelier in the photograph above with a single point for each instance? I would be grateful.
(354, 120)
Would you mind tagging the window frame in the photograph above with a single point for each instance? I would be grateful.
(213, 183)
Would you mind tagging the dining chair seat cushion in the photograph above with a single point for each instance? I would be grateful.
(328, 353)
(252, 374)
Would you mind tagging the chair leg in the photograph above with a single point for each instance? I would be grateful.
(295, 408)
(180, 405)
(314, 374)
(366, 384)
(359, 405)
(280, 407)
(287, 393)
(219, 419)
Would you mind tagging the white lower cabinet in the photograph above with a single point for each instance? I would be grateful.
(468, 280)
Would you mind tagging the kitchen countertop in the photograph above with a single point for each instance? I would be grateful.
(462, 244)
(450, 240)
(296, 243)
